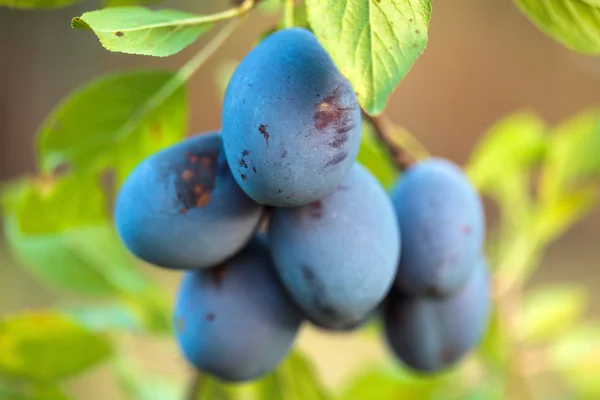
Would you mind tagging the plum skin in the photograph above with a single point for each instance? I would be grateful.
(291, 121)
(181, 208)
(432, 334)
(442, 223)
(236, 321)
(338, 257)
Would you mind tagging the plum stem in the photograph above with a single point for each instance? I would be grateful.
(404, 148)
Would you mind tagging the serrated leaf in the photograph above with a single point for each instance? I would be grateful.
(573, 154)
(46, 346)
(60, 231)
(576, 355)
(574, 23)
(138, 30)
(115, 122)
(374, 43)
(37, 4)
(549, 311)
(511, 146)
(376, 158)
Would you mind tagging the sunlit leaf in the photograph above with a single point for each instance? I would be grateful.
(549, 311)
(37, 4)
(45, 346)
(138, 30)
(374, 43)
(574, 23)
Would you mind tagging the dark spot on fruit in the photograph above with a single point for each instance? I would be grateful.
(245, 153)
(197, 180)
(342, 188)
(279, 190)
(332, 117)
(433, 291)
(283, 153)
(210, 317)
(338, 158)
(244, 177)
(119, 34)
(318, 291)
(316, 209)
(183, 210)
(263, 131)
(254, 169)
(339, 142)
(291, 195)
(466, 230)
(218, 274)
(243, 163)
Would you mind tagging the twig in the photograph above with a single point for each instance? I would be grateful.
(195, 387)
(392, 137)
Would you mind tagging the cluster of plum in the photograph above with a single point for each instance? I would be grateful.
(277, 224)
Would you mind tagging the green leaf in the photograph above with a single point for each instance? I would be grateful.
(510, 147)
(574, 23)
(139, 385)
(549, 311)
(495, 347)
(45, 346)
(32, 392)
(573, 154)
(114, 121)
(270, 6)
(37, 4)
(376, 158)
(576, 355)
(60, 231)
(122, 3)
(105, 318)
(374, 43)
(138, 30)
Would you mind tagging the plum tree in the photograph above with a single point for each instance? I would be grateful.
(181, 208)
(338, 256)
(441, 219)
(236, 321)
(291, 121)
(430, 334)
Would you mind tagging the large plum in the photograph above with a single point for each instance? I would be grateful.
(441, 219)
(291, 121)
(338, 256)
(181, 208)
(430, 334)
(236, 321)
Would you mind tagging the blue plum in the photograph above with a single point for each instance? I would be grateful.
(442, 223)
(235, 321)
(431, 334)
(291, 121)
(181, 208)
(338, 256)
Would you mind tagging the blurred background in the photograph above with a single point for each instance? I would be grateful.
(484, 60)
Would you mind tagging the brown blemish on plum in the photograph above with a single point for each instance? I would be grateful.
(187, 175)
(316, 209)
(338, 158)
(254, 169)
(243, 163)
(210, 317)
(183, 210)
(283, 153)
(279, 190)
(244, 177)
(218, 274)
(339, 142)
(291, 195)
(263, 131)
(245, 153)
(197, 180)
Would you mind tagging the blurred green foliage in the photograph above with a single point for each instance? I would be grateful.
(542, 179)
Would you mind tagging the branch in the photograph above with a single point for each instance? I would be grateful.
(387, 133)
(195, 387)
